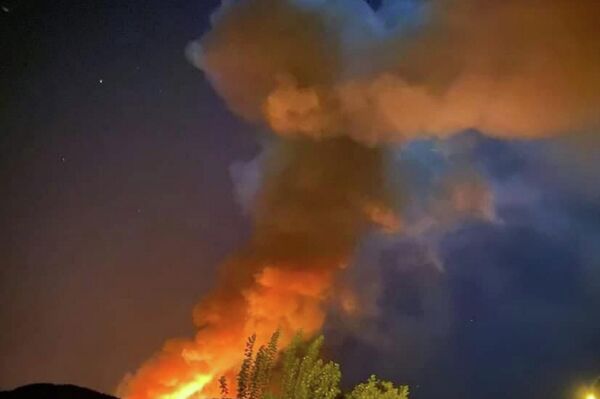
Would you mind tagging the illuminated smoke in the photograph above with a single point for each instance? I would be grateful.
(513, 68)
(336, 79)
(310, 212)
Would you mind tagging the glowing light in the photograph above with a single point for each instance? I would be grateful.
(590, 395)
(187, 390)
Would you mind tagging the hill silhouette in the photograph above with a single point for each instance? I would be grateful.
(52, 391)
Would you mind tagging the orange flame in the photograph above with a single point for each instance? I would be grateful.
(310, 214)
(283, 298)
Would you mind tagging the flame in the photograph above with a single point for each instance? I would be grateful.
(320, 189)
(186, 390)
(289, 299)
(309, 215)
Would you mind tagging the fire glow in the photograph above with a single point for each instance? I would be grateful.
(335, 81)
(310, 214)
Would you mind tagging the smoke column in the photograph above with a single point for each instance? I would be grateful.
(309, 216)
(336, 80)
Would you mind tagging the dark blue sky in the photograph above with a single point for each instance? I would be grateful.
(117, 207)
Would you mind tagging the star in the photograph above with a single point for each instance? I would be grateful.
(100, 81)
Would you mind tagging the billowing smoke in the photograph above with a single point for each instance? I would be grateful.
(515, 68)
(310, 212)
(336, 80)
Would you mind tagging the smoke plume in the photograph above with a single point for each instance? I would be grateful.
(336, 79)
(309, 215)
(515, 68)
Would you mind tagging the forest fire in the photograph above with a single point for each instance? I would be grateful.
(309, 216)
(297, 67)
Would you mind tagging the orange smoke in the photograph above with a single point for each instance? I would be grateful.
(321, 69)
(309, 215)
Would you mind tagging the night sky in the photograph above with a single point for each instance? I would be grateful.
(118, 205)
